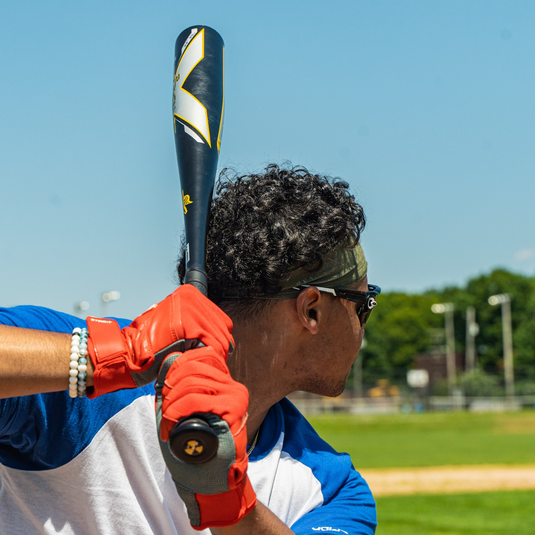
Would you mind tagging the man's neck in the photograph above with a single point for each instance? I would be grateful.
(258, 379)
(260, 362)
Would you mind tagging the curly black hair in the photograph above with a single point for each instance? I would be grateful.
(264, 226)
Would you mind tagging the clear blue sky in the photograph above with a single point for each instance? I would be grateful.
(425, 107)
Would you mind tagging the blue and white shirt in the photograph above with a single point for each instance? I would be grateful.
(81, 466)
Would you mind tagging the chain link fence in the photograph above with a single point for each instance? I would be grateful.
(369, 392)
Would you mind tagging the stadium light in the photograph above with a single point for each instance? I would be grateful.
(106, 298)
(81, 307)
(472, 330)
(447, 309)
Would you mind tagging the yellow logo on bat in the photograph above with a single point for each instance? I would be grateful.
(185, 201)
(193, 448)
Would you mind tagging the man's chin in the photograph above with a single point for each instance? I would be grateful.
(328, 389)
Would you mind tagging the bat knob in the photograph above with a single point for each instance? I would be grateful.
(193, 441)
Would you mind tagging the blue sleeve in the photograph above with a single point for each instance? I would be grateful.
(44, 319)
(47, 430)
(15, 412)
(348, 505)
(350, 511)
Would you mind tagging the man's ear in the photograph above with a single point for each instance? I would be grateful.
(309, 309)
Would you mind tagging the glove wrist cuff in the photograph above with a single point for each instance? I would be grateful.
(226, 509)
(107, 350)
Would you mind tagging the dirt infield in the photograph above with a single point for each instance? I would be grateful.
(450, 479)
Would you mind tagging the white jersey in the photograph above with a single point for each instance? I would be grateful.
(80, 466)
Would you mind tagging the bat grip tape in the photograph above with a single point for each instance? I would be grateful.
(197, 277)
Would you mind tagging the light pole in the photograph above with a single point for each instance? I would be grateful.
(447, 309)
(507, 332)
(357, 372)
(472, 330)
(106, 298)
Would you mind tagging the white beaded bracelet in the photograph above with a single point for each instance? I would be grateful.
(78, 364)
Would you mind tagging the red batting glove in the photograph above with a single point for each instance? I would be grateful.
(217, 492)
(132, 357)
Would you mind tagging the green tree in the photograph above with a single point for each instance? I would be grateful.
(402, 324)
(399, 329)
(489, 317)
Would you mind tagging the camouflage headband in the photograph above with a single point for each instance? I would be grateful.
(339, 269)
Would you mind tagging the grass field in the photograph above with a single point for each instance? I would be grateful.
(488, 513)
(438, 439)
(431, 439)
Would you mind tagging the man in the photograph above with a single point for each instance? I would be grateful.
(284, 264)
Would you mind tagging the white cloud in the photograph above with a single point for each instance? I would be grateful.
(524, 254)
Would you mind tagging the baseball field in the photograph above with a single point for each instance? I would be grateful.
(443, 473)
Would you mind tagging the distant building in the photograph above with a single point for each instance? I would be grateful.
(435, 365)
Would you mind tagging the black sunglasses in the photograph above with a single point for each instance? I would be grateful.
(365, 300)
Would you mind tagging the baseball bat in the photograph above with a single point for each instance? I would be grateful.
(198, 103)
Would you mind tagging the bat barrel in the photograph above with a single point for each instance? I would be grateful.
(198, 103)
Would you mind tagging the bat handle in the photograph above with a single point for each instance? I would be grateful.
(197, 277)
(193, 441)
